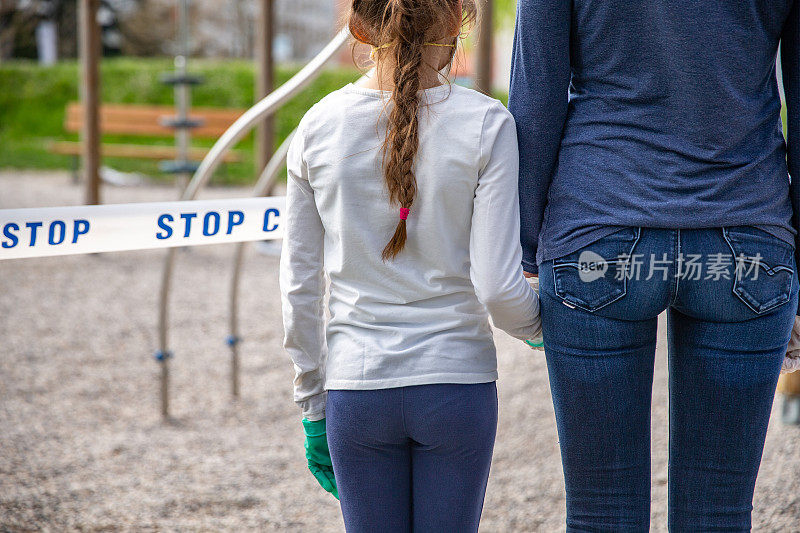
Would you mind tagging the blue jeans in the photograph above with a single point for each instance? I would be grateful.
(412, 458)
(728, 332)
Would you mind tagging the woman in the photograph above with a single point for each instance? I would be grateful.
(653, 176)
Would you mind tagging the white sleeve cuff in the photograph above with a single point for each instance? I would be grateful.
(314, 407)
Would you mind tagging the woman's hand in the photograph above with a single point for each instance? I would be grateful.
(318, 455)
(792, 360)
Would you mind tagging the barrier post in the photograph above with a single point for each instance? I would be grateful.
(163, 354)
(265, 139)
(234, 339)
(265, 81)
(90, 96)
(485, 49)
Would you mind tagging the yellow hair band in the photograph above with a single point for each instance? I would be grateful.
(376, 48)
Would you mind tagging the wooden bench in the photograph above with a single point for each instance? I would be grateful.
(147, 120)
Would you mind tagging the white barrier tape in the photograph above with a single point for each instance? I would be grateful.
(49, 231)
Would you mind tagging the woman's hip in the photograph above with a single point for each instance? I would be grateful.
(727, 274)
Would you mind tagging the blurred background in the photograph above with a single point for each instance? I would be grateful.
(40, 73)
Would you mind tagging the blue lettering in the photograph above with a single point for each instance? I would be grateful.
(188, 218)
(79, 227)
(13, 238)
(162, 223)
(33, 226)
(206, 223)
(271, 211)
(51, 237)
(232, 223)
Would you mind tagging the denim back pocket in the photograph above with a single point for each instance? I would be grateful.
(763, 266)
(596, 275)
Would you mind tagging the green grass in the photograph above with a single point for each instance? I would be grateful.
(33, 100)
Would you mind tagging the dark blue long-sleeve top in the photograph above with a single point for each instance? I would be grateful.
(655, 113)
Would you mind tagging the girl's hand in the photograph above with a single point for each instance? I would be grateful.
(792, 360)
(536, 344)
(533, 281)
(318, 455)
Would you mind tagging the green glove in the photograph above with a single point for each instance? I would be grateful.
(318, 455)
(532, 344)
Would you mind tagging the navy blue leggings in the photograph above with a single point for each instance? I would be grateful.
(412, 458)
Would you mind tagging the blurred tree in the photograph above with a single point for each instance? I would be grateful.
(67, 21)
(19, 19)
(149, 28)
(18, 22)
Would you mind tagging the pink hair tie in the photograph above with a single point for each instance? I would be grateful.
(404, 211)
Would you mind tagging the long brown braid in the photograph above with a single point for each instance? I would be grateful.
(402, 28)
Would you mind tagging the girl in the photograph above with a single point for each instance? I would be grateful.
(402, 189)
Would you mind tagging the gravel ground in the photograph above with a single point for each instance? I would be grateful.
(82, 445)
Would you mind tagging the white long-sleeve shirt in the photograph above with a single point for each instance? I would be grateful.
(423, 317)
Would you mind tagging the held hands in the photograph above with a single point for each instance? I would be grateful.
(533, 281)
(318, 455)
(792, 360)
